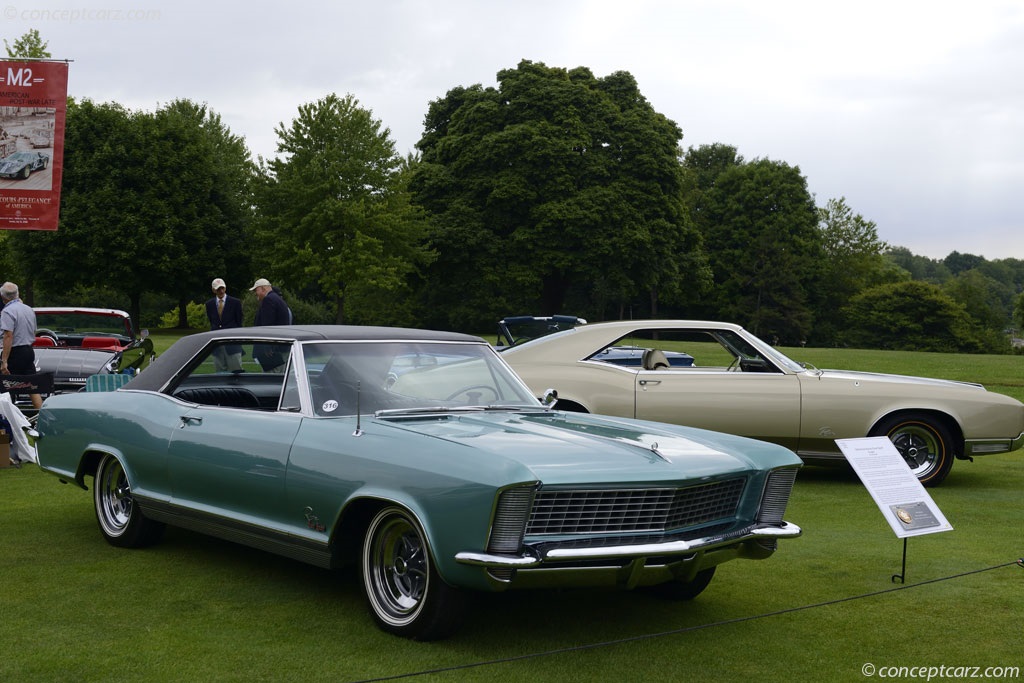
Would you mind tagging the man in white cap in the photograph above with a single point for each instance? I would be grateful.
(271, 310)
(225, 312)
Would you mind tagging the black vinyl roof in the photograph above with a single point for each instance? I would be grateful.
(183, 350)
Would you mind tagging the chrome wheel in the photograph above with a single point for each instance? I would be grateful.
(405, 593)
(120, 520)
(396, 567)
(925, 444)
(113, 497)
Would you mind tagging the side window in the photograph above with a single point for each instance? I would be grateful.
(237, 375)
(290, 396)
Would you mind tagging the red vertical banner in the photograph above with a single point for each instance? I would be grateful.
(33, 104)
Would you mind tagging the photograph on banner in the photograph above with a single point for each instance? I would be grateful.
(904, 502)
(33, 105)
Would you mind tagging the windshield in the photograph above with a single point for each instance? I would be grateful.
(349, 377)
(79, 322)
(516, 330)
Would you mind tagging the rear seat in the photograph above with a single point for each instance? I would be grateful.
(231, 397)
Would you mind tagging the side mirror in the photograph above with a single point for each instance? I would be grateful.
(549, 399)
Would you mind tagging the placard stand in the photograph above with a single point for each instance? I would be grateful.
(901, 498)
(903, 571)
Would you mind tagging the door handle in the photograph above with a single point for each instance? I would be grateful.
(645, 382)
(190, 420)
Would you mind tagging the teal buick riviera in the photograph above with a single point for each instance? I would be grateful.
(420, 457)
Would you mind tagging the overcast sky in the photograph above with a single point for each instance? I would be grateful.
(912, 110)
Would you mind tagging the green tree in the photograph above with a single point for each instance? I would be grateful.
(28, 46)
(335, 212)
(150, 203)
(959, 263)
(852, 262)
(553, 183)
(707, 162)
(761, 233)
(989, 305)
(908, 316)
(919, 267)
(200, 181)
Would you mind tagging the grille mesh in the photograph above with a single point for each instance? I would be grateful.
(582, 511)
(776, 495)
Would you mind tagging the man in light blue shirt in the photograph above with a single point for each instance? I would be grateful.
(18, 325)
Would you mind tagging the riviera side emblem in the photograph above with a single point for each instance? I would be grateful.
(312, 521)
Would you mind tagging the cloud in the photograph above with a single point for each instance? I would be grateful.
(911, 110)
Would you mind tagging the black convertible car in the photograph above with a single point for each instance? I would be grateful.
(75, 343)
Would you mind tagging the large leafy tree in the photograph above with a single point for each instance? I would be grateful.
(555, 188)
(761, 233)
(335, 212)
(199, 182)
(150, 203)
(853, 261)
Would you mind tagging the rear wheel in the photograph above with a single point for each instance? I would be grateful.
(685, 590)
(406, 595)
(121, 521)
(924, 442)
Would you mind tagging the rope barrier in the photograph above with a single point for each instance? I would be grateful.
(687, 629)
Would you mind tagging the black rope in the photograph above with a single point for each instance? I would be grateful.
(687, 629)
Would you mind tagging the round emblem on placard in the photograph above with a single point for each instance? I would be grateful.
(329, 406)
(904, 516)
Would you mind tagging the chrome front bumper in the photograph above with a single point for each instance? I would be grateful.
(992, 446)
(544, 556)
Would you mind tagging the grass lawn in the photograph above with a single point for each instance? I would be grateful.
(73, 608)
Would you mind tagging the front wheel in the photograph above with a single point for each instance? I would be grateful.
(406, 595)
(121, 521)
(924, 442)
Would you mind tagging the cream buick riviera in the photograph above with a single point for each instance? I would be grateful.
(718, 376)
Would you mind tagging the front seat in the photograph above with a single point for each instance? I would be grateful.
(654, 359)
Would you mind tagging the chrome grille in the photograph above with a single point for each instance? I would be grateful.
(776, 495)
(582, 511)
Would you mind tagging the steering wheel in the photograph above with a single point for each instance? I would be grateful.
(474, 390)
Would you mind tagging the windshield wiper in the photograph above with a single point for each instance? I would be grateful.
(427, 410)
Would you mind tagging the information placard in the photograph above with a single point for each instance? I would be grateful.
(904, 502)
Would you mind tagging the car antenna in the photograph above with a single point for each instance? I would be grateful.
(359, 413)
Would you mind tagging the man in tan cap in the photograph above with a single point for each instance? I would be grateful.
(225, 312)
(271, 310)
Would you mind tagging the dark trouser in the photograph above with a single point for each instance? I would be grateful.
(22, 361)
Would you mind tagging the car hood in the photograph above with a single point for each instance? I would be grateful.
(579, 448)
(892, 379)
